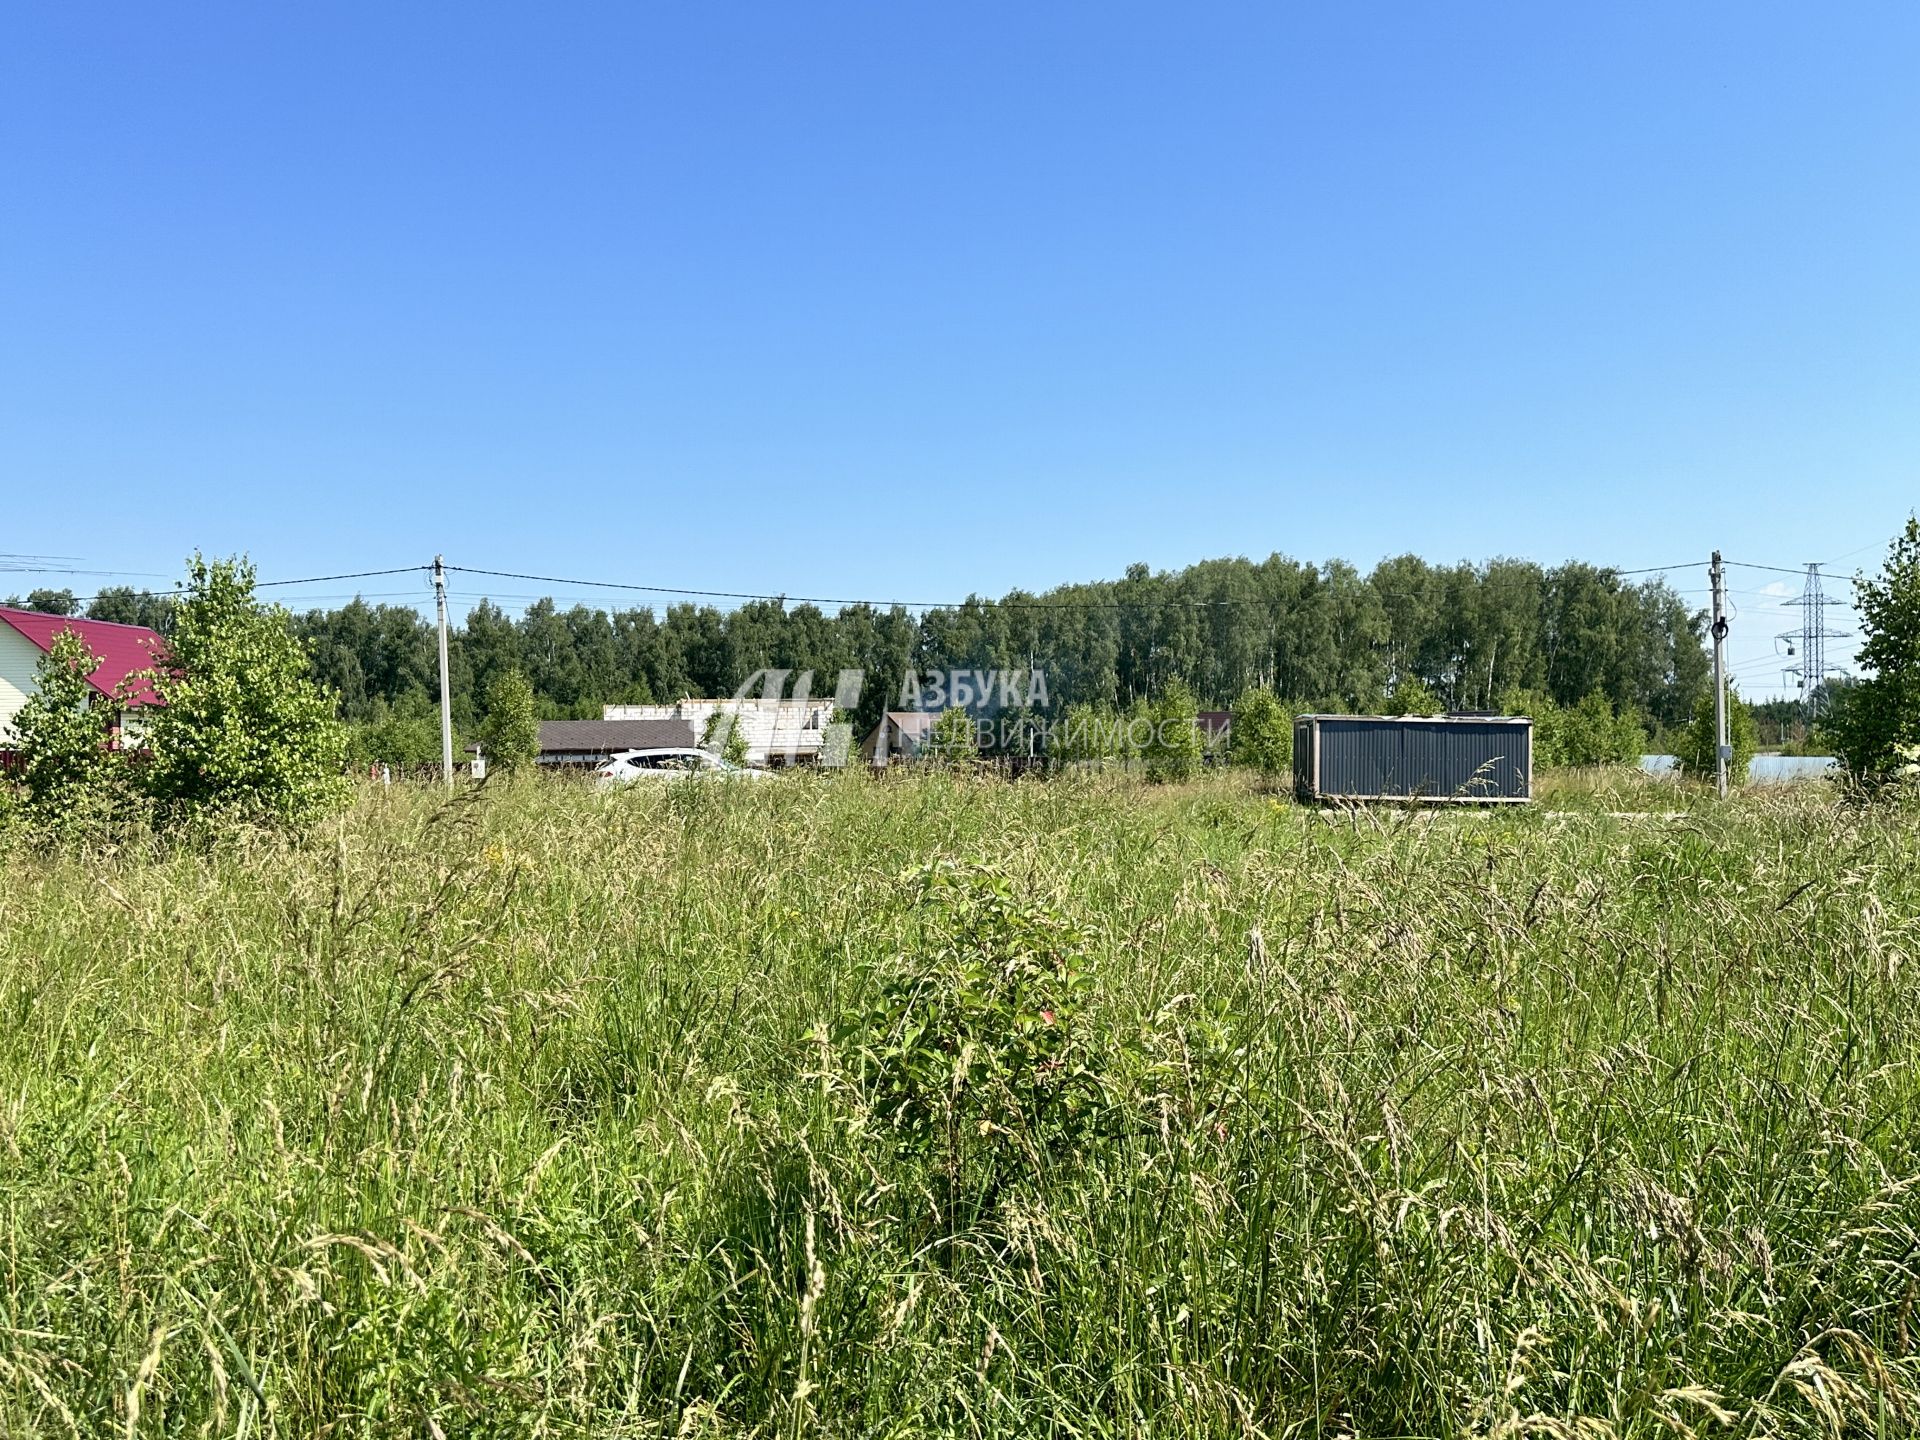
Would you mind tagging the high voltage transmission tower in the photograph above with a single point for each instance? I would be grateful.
(1809, 642)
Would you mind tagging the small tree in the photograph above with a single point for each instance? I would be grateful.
(836, 741)
(1874, 724)
(1591, 733)
(240, 728)
(510, 735)
(1697, 748)
(1537, 706)
(725, 737)
(407, 733)
(953, 739)
(65, 765)
(1174, 746)
(1262, 737)
(1412, 697)
(978, 1052)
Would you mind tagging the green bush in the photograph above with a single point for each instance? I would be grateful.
(69, 776)
(725, 736)
(1588, 734)
(510, 734)
(1696, 748)
(1873, 725)
(1412, 697)
(1262, 733)
(976, 1055)
(406, 733)
(241, 730)
(1174, 746)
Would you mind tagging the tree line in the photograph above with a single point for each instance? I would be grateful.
(1590, 656)
(1322, 636)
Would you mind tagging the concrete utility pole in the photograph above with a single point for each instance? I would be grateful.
(1722, 751)
(446, 693)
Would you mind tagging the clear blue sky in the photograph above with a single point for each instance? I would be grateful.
(915, 300)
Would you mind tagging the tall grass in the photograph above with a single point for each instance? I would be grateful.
(540, 1112)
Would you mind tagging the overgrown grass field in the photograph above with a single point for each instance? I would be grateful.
(832, 1107)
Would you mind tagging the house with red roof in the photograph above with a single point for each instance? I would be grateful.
(124, 651)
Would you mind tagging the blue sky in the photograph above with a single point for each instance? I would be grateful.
(914, 300)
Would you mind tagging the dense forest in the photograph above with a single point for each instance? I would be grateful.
(1324, 636)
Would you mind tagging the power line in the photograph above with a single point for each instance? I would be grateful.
(349, 575)
(1163, 602)
(875, 604)
(1764, 665)
(1800, 570)
(1871, 545)
(7, 568)
(1036, 604)
(342, 597)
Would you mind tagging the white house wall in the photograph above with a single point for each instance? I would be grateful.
(19, 660)
(770, 727)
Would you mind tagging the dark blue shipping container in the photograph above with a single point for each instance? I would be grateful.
(1472, 759)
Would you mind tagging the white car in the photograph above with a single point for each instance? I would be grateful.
(667, 764)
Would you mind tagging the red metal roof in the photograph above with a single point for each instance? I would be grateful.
(123, 649)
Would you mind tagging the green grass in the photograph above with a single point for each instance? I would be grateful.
(542, 1113)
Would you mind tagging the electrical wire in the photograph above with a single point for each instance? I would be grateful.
(349, 575)
(843, 601)
(46, 565)
(1872, 545)
(1777, 569)
(1036, 604)
(1260, 602)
